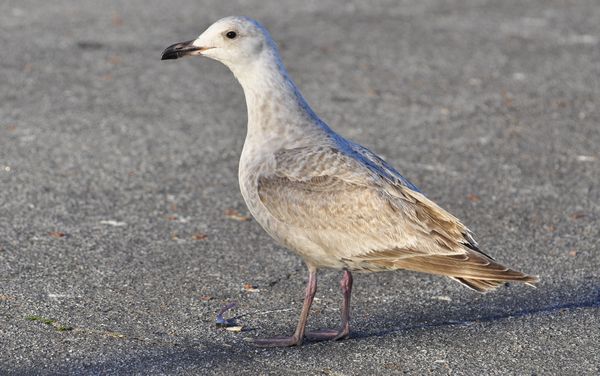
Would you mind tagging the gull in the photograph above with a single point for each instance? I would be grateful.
(333, 202)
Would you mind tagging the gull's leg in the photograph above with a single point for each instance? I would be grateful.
(296, 339)
(344, 330)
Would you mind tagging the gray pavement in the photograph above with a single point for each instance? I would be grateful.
(118, 177)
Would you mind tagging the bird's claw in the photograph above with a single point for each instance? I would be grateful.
(328, 334)
(277, 341)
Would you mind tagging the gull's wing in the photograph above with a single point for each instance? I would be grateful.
(362, 213)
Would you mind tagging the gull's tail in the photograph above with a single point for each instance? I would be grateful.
(473, 269)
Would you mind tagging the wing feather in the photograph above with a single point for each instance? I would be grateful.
(372, 220)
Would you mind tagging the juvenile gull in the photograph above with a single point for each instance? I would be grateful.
(335, 203)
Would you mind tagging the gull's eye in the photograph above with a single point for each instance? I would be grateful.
(231, 34)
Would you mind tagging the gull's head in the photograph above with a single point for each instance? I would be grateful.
(234, 41)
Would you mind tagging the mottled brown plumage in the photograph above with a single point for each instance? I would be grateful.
(369, 223)
(335, 203)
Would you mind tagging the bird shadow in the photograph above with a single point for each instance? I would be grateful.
(462, 311)
(544, 300)
(202, 357)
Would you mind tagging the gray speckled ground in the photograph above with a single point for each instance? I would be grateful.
(491, 107)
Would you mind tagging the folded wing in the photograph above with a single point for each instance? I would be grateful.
(365, 217)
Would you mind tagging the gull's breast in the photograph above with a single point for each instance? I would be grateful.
(297, 239)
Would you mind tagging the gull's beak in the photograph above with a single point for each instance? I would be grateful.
(182, 49)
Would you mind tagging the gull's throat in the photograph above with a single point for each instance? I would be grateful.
(275, 104)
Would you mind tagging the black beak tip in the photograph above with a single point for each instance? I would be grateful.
(177, 50)
(168, 56)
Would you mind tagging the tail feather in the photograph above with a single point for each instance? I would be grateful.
(473, 269)
(480, 285)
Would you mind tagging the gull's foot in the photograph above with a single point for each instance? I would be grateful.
(277, 341)
(329, 334)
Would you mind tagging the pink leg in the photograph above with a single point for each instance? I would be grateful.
(344, 330)
(296, 339)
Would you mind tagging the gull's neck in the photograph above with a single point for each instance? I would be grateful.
(276, 108)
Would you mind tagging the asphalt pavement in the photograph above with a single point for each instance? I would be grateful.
(123, 232)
